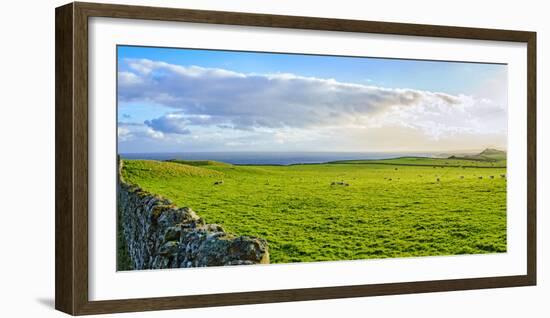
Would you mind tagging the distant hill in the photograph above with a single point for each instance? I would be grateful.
(490, 158)
(488, 154)
(493, 153)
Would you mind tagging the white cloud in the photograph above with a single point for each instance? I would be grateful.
(133, 131)
(128, 78)
(288, 106)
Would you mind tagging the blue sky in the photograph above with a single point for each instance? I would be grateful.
(452, 78)
(205, 100)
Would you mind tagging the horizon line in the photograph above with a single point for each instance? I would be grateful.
(319, 151)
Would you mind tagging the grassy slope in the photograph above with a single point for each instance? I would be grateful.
(200, 163)
(304, 218)
(491, 158)
(436, 162)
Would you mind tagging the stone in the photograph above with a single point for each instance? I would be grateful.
(159, 235)
(170, 247)
(172, 233)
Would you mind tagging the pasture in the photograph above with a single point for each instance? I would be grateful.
(344, 210)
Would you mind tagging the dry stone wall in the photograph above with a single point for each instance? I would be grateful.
(159, 234)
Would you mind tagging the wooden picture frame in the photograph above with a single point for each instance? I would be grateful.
(71, 122)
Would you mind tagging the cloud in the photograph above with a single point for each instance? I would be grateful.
(133, 131)
(449, 99)
(248, 101)
(279, 109)
(170, 123)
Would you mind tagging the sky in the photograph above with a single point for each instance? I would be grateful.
(190, 100)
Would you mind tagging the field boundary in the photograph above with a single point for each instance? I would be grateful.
(157, 234)
(343, 162)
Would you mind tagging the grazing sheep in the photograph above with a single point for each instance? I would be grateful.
(218, 182)
(342, 183)
(480, 177)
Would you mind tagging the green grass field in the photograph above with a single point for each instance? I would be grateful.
(391, 208)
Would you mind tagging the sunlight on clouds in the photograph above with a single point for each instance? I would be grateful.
(287, 111)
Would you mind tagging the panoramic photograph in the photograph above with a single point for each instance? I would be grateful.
(242, 158)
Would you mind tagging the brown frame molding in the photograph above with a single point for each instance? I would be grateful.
(71, 154)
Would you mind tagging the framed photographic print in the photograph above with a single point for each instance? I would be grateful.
(211, 158)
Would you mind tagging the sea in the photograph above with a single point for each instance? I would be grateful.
(273, 158)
